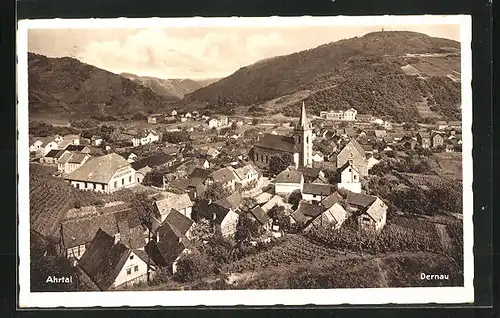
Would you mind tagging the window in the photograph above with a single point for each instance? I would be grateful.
(355, 177)
(123, 181)
(131, 256)
(136, 268)
(115, 184)
(350, 170)
(78, 186)
(129, 271)
(130, 179)
(307, 139)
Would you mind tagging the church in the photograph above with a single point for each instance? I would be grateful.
(299, 145)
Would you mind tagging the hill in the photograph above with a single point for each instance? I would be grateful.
(382, 73)
(169, 88)
(68, 87)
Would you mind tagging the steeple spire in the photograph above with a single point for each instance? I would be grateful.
(303, 118)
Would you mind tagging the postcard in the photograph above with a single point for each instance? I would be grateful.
(245, 161)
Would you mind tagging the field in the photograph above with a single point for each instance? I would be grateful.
(296, 249)
(450, 164)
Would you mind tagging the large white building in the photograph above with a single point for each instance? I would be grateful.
(107, 173)
(348, 115)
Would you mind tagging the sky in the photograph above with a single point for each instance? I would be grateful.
(198, 52)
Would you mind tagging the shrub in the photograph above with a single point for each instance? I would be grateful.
(191, 267)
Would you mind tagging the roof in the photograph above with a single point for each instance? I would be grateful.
(100, 169)
(317, 189)
(81, 230)
(377, 210)
(276, 200)
(277, 142)
(77, 157)
(153, 161)
(331, 200)
(310, 172)
(288, 176)
(145, 132)
(171, 201)
(423, 134)
(223, 175)
(242, 172)
(310, 209)
(357, 146)
(359, 199)
(380, 133)
(232, 202)
(71, 137)
(55, 153)
(346, 165)
(75, 147)
(65, 157)
(179, 221)
(260, 215)
(145, 170)
(103, 260)
(441, 122)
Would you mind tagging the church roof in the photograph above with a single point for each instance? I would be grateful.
(277, 142)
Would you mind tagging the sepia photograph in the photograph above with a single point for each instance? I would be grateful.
(254, 161)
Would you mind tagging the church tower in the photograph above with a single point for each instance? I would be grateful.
(303, 137)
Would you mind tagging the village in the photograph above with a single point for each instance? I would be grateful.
(161, 192)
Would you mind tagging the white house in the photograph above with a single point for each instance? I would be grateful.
(224, 176)
(74, 139)
(131, 158)
(35, 144)
(47, 145)
(218, 122)
(70, 161)
(247, 176)
(107, 173)
(349, 178)
(96, 141)
(288, 182)
(315, 192)
(58, 138)
(370, 211)
(350, 114)
(110, 265)
(145, 137)
(173, 113)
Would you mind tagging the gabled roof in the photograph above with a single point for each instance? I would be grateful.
(223, 175)
(242, 172)
(317, 189)
(260, 215)
(377, 210)
(360, 200)
(153, 161)
(77, 157)
(310, 172)
(103, 260)
(100, 169)
(179, 221)
(232, 202)
(423, 134)
(288, 176)
(276, 200)
(331, 200)
(55, 153)
(145, 132)
(346, 165)
(65, 157)
(76, 147)
(277, 142)
(310, 210)
(380, 133)
(170, 201)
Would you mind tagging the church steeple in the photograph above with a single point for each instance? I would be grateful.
(303, 122)
(303, 138)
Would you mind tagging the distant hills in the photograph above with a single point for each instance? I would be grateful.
(169, 88)
(382, 73)
(68, 87)
(400, 75)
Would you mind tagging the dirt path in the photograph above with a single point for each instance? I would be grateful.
(383, 273)
(443, 235)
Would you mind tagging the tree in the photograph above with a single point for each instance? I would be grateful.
(191, 267)
(215, 191)
(246, 230)
(277, 214)
(153, 178)
(280, 163)
(145, 206)
(201, 233)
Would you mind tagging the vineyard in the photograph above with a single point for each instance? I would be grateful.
(296, 249)
(456, 233)
(51, 197)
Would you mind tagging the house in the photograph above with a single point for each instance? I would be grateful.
(209, 152)
(70, 161)
(106, 173)
(188, 115)
(247, 177)
(218, 122)
(170, 241)
(396, 136)
(96, 141)
(111, 265)
(380, 134)
(52, 157)
(299, 145)
(353, 151)
(261, 217)
(349, 177)
(311, 174)
(349, 115)
(154, 118)
(424, 139)
(409, 143)
(306, 212)
(47, 145)
(141, 173)
(145, 137)
(455, 124)
(225, 214)
(225, 177)
(315, 192)
(167, 202)
(155, 161)
(173, 113)
(35, 144)
(80, 226)
(276, 200)
(78, 148)
(335, 213)
(441, 125)
(370, 211)
(350, 132)
(437, 140)
(364, 117)
(75, 139)
(288, 181)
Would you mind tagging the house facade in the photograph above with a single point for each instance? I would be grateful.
(437, 140)
(107, 173)
(348, 115)
(70, 161)
(288, 182)
(353, 152)
(349, 178)
(144, 138)
(424, 139)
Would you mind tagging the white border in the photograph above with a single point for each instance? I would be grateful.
(407, 295)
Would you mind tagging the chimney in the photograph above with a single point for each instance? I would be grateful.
(117, 238)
